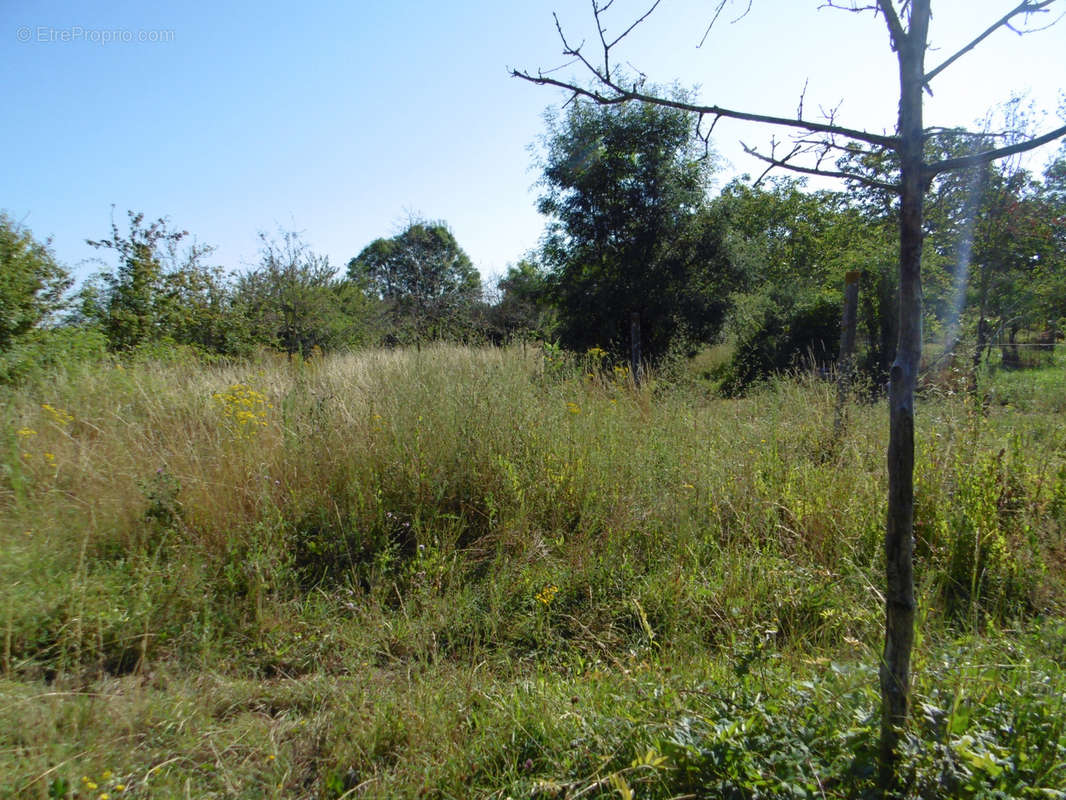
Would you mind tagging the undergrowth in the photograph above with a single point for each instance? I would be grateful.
(463, 572)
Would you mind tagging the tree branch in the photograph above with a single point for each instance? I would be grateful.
(623, 95)
(643, 17)
(784, 163)
(1025, 7)
(717, 13)
(987, 156)
(895, 27)
(937, 131)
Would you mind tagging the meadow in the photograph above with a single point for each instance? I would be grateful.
(462, 572)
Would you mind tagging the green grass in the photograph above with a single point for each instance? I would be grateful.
(456, 573)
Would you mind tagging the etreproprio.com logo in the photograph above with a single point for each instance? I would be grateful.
(47, 34)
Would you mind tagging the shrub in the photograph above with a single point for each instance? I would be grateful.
(777, 332)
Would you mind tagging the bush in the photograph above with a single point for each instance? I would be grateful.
(777, 332)
(45, 349)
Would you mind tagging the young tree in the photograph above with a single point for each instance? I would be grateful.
(424, 275)
(31, 282)
(293, 299)
(160, 293)
(628, 237)
(132, 303)
(907, 23)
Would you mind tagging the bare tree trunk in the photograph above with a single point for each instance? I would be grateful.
(895, 671)
(846, 361)
(634, 347)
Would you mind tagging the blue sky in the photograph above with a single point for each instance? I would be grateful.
(340, 120)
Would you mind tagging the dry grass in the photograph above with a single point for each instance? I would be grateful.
(395, 572)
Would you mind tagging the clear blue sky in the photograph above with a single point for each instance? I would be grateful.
(341, 119)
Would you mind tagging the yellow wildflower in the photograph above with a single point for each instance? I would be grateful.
(573, 407)
(547, 594)
(59, 416)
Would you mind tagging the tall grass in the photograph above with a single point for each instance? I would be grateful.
(437, 570)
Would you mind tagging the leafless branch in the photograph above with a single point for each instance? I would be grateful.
(621, 94)
(603, 41)
(785, 163)
(597, 11)
(1025, 7)
(895, 27)
(988, 156)
(1036, 29)
(937, 131)
(853, 6)
(717, 13)
(643, 17)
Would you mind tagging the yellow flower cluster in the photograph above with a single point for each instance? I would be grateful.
(547, 594)
(108, 778)
(243, 408)
(26, 434)
(59, 416)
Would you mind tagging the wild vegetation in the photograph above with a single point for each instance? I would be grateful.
(604, 529)
(506, 572)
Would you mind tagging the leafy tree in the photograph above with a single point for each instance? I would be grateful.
(133, 304)
(790, 249)
(294, 300)
(1050, 276)
(31, 282)
(160, 293)
(425, 278)
(992, 230)
(524, 308)
(628, 233)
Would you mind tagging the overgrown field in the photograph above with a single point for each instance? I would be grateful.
(498, 573)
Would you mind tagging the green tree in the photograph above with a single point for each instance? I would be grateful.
(524, 308)
(160, 293)
(294, 300)
(31, 282)
(426, 280)
(133, 303)
(625, 192)
(992, 233)
(1050, 276)
(790, 249)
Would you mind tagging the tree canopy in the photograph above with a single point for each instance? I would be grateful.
(31, 282)
(625, 192)
(425, 277)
